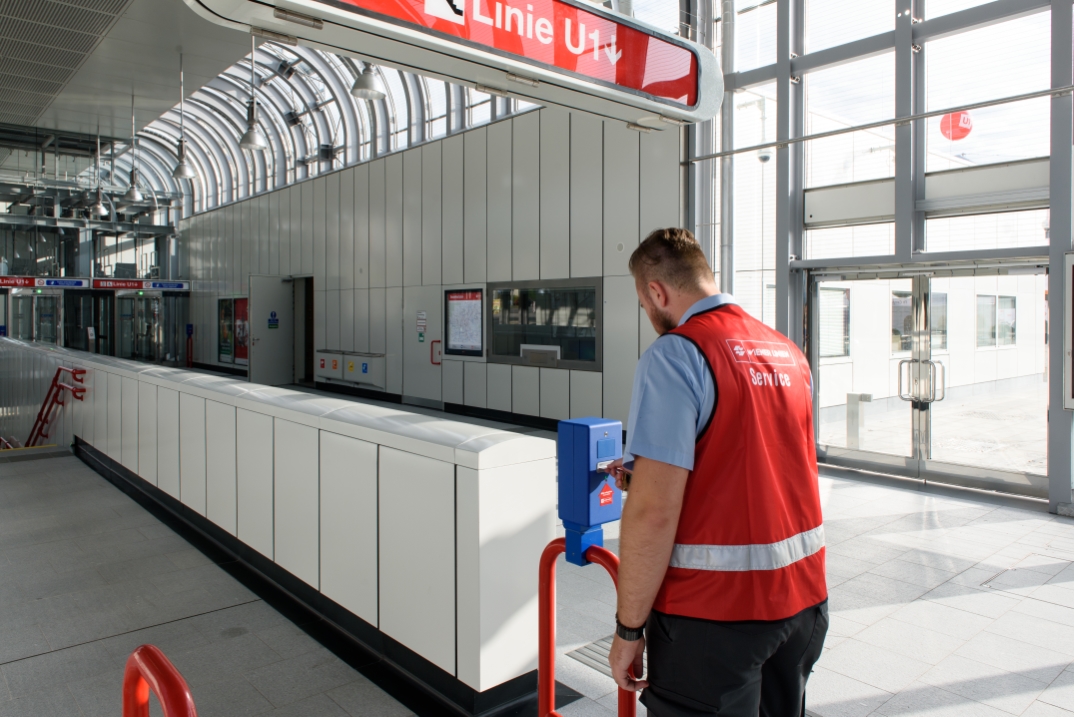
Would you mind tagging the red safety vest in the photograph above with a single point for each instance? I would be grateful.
(750, 541)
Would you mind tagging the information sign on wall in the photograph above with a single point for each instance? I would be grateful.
(225, 347)
(242, 332)
(464, 322)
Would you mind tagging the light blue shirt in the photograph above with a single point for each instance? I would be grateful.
(673, 396)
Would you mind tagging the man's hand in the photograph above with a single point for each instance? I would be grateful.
(621, 473)
(622, 657)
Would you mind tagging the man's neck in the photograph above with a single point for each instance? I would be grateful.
(684, 302)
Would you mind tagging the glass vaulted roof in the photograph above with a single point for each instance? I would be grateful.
(308, 116)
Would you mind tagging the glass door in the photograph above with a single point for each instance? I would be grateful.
(125, 306)
(940, 378)
(22, 317)
(989, 338)
(865, 333)
(47, 318)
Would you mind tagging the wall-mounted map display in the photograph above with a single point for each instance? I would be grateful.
(463, 322)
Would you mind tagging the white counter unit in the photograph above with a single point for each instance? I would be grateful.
(425, 529)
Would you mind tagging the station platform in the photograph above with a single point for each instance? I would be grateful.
(943, 601)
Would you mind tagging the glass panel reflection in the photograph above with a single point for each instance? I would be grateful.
(562, 317)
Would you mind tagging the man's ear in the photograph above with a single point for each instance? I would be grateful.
(658, 294)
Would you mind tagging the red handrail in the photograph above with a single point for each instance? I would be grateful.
(149, 670)
(54, 397)
(546, 649)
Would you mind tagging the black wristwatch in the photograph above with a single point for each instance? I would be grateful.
(630, 634)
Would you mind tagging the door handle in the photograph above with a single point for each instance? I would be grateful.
(942, 382)
(905, 396)
(432, 353)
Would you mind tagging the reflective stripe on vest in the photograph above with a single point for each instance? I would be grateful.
(742, 558)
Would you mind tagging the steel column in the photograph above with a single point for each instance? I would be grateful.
(1059, 420)
(789, 124)
(727, 164)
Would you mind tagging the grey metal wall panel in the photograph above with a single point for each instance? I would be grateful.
(309, 208)
(320, 323)
(475, 218)
(114, 444)
(297, 500)
(333, 270)
(254, 479)
(331, 320)
(147, 431)
(474, 384)
(275, 206)
(451, 266)
(295, 233)
(412, 201)
(284, 232)
(431, 217)
(129, 447)
(248, 246)
(346, 229)
(168, 441)
(452, 381)
(586, 394)
(393, 220)
(526, 197)
(320, 233)
(555, 193)
(346, 319)
(658, 181)
(220, 465)
(621, 146)
(377, 225)
(526, 390)
(555, 393)
(393, 299)
(499, 386)
(587, 194)
(498, 192)
(361, 320)
(620, 345)
(192, 452)
(360, 271)
(378, 321)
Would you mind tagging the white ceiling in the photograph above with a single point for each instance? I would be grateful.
(139, 53)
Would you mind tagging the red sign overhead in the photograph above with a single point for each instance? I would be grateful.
(118, 284)
(16, 281)
(557, 34)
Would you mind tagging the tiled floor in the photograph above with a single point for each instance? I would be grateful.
(86, 575)
(940, 606)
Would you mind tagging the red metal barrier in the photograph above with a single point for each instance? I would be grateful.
(546, 650)
(54, 398)
(149, 670)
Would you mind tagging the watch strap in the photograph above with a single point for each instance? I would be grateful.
(630, 634)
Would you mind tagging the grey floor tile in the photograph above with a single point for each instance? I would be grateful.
(253, 617)
(35, 674)
(983, 683)
(226, 659)
(876, 666)
(361, 698)
(1060, 693)
(1043, 709)
(831, 694)
(921, 700)
(54, 702)
(19, 641)
(230, 698)
(319, 705)
(1012, 655)
(288, 681)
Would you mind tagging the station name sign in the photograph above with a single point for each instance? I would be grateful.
(65, 283)
(140, 284)
(32, 281)
(556, 34)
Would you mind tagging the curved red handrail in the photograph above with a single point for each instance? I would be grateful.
(149, 670)
(546, 626)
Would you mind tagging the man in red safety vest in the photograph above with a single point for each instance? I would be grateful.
(722, 542)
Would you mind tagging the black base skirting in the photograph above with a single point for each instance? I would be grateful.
(221, 368)
(408, 677)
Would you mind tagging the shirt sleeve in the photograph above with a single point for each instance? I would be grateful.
(669, 398)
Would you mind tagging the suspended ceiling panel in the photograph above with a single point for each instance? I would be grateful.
(73, 64)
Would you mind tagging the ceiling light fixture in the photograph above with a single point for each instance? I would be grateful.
(133, 195)
(99, 209)
(367, 85)
(183, 170)
(252, 139)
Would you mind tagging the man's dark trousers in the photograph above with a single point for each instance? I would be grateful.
(732, 669)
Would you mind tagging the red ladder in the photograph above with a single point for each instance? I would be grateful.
(54, 398)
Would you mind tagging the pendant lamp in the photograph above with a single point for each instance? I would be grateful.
(367, 85)
(252, 139)
(133, 195)
(183, 170)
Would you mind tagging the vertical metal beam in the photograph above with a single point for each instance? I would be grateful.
(1059, 420)
(789, 123)
(904, 148)
(727, 164)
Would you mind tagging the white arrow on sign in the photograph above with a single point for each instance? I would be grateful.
(613, 53)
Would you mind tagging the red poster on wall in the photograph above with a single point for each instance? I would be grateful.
(242, 332)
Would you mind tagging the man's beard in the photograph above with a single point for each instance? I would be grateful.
(664, 321)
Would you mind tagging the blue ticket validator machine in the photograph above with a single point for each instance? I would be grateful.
(588, 497)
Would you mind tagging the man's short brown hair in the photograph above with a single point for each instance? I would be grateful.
(671, 256)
